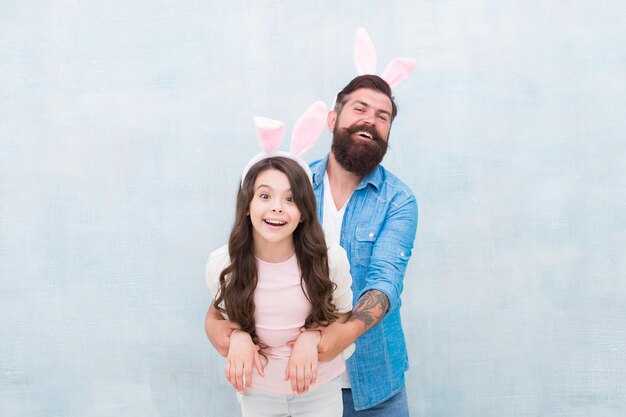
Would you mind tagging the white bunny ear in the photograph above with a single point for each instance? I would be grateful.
(308, 128)
(397, 70)
(364, 53)
(270, 133)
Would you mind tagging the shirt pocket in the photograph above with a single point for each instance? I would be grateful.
(364, 244)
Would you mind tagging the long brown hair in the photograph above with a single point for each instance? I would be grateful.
(239, 279)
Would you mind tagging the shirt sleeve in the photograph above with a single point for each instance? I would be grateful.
(392, 251)
(218, 260)
(339, 268)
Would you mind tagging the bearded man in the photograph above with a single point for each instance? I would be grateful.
(373, 215)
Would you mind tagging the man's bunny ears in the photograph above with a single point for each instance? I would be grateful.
(305, 133)
(365, 59)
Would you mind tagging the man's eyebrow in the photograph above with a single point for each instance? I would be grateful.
(362, 103)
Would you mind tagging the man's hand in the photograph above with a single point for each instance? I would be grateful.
(218, 330)
(243, 354)
(302, 366)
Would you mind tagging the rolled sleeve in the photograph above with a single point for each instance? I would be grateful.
(392, 251)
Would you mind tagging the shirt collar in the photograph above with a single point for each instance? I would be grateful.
(375, 177)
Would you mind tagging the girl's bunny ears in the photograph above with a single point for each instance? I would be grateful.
(305, 133)
(365, 59)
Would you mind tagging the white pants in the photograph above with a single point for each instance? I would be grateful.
(324, 401)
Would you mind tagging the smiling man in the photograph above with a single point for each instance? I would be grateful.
(360, 135)
(373, 215)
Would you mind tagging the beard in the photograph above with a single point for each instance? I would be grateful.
(356, 156)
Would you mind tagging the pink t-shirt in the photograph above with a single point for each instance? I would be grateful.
(281, 309)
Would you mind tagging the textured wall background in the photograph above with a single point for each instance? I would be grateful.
(123, 129)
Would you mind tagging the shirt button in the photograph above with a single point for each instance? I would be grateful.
(371, 235)
(401, 253)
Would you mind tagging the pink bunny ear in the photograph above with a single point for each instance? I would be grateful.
(397, 70)
(364, 53)
(308, 128)
(270, 133)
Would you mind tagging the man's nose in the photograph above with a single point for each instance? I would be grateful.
(368, 118)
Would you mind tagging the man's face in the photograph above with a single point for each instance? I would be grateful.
(361, 131)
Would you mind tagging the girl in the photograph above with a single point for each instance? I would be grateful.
(275, 276)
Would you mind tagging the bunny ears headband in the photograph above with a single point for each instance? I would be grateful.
(305, 133)
(365, 60)
(312, 122)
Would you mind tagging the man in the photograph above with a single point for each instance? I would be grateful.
(374, 217)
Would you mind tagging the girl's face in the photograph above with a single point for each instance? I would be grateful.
(273, 212)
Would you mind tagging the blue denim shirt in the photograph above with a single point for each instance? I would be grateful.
(377, 233)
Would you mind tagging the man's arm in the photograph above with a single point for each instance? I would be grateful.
(368, 311)
(218, 330)
(384, 281)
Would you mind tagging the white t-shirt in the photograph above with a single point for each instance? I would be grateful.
(333, 218)
(332, 222)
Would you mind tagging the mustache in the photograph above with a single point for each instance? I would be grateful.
(364, 128)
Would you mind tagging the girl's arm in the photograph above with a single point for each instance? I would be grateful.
(302, 366)
(243, 354)
(218, 330)
(303, 362)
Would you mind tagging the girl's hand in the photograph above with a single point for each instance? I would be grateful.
(302, 366)
(242, 356)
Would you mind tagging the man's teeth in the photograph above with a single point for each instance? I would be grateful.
(275, 222)
(365, 134)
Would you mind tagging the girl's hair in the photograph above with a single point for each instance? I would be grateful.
(238, 281)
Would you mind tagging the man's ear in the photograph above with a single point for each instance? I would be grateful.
(331, 120)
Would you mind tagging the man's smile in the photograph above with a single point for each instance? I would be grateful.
(364, 135)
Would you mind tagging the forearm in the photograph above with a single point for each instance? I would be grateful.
(367, 312)
(343, 318)
(218, 330)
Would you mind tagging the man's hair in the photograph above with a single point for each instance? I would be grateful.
(371, 82)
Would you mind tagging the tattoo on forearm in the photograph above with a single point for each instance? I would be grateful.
(370, 308)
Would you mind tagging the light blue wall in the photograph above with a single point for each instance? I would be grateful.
(123, 129)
